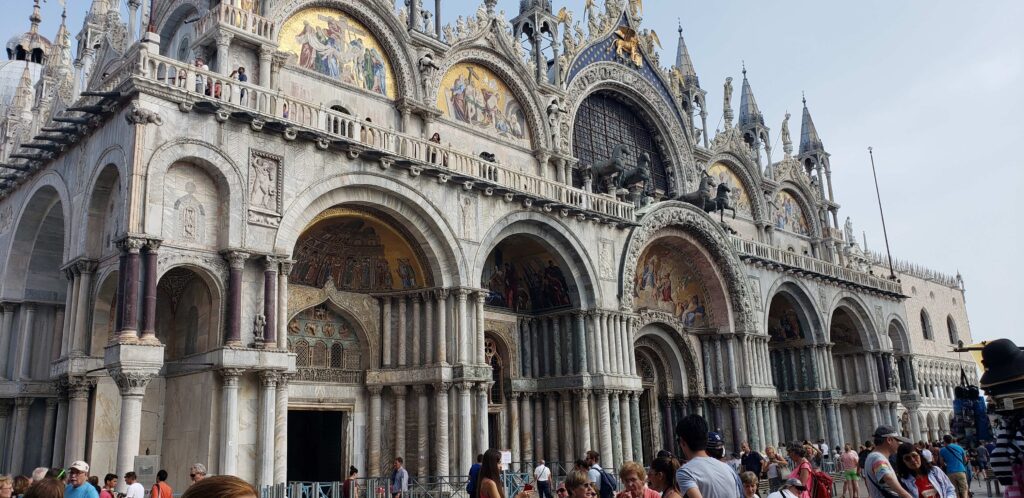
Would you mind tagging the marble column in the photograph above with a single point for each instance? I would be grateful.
(132, 385)
(583, 438)
(21, 357)
(731, 359)
(265, 56)
(21, 407)
(223, 49)
(594, 342)
(441, 355)
(465, 415)
(581, 342)
(281, 428)
(267, 417)
(233, 336)
(374, 420)
(739, 429)
(415, 350)
(71, 307)
(49, 423)
(399, 393)
(128, 308)
(627, 427)
(270, 302)
(78, 418)
(634, 415)
(481, 296)
(615, 428)
(565, 428)
(282, 308)
(551, 429)
(915, 422)
(228, 423)
(609, 365)
(6, 405)
(464, 330)
(386, 330)
(514, 429)
(149, 276)
(61, 426)
(604, 423)
(402, 303)
(538, 433)
(556, 349)
(528, 429)
(482, 426)
(537, 353)
(6, 324)
(85, 270)
(442, 430)
(428, 329)
(422, 430)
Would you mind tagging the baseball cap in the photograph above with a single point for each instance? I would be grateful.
(715, 440)
(884, 431)
(80, 466)
(796, 483)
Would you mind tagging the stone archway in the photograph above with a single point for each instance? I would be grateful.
(671, 387)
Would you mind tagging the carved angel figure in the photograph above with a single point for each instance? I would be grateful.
(727, 99)
(460, 27)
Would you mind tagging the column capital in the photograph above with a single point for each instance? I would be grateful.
(131, 381)
(282, 380)
(9, 307)
(462, 293)
(86, 265)
(416, 298)
(398, 391)
(419, 389)
(51, 403)
(581, 393)
(271, 264)
(442, 387)
(23, 404)
(224, 39)
(131, 244)
(30, 306)
(231, 375)
(269, 378)
(465, 386)
(153, 245)
(375, 390)
(441, 294)
(515, 395)
(78, 387)
(481, 295)
(5, 407)
(236, 259)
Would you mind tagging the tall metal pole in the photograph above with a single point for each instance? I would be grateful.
(892, 273)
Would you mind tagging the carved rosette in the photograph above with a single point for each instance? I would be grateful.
(132, 381)
(712, 237)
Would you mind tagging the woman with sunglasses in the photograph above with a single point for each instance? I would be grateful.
(577, 484)
(920, 477)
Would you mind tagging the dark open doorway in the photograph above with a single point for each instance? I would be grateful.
(315, 445)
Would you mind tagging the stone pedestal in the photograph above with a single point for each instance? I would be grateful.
(131, 366)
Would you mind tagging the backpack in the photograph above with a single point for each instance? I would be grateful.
(609, 485)
(821, 484)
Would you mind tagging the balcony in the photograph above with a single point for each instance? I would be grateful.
(253, 27)
(763, 253)
(294, 117)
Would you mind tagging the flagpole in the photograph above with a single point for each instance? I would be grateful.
(878, 195)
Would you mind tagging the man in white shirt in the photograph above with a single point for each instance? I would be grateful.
(594, 470)
(542, 474)
(135, 489)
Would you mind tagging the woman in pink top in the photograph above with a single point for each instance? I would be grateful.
(634, 479)
(801, 467)
(849, 460)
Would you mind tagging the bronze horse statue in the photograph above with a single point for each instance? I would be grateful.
(615, 165)
(702, 196)
(640, 173)
(721, 202)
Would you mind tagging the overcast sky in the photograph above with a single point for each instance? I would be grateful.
(936, 87)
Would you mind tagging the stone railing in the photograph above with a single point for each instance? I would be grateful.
(755, 250)
(241, 20)
(391, 146)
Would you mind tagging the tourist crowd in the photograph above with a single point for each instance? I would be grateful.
(77, 482)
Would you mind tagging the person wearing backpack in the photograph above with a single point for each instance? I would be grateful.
(605, 483)
(702, 476)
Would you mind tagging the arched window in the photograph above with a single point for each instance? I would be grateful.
(337, 352)
(184, 49)
(951, 328)
(301, 354)
(606, 120)
(926, 326)
(320, 354)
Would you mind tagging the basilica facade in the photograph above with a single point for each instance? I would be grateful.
(282, 237)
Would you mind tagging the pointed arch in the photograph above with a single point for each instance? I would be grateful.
(951, 329)
(926, 325)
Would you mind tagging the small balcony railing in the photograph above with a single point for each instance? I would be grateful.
(749, 249)
(237, 20)
(390, 145)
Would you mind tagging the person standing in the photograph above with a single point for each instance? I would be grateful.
(752, 461)
(489, 476)
(399, 479)
(702, 476)
(542, 474)
(801, 466)
(135, 489)
(953, 457)
(473, 471)
(161, 489)
(109, 487)
(594, 469)
(776, 469)
(983, 458)
(78, 482)
(350, 488)
(848, 462)
(749, 480)
(634, 480)
(920, 477)
(221, 487)
(663, 477)
(6, 487)
(197, 472)
(882, 481)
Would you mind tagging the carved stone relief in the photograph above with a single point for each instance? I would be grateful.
(266, 182)
(606, 259)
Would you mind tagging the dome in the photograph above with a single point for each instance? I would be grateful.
(10, 75)
(29, 42)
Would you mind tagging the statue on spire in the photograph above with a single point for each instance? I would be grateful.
(787, 142)
(727, 102)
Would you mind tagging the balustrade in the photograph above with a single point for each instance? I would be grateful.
(240, 19)
(275, 105)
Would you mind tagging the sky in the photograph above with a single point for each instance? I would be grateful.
(933, 86)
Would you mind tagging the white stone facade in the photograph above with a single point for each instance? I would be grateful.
(149, 302)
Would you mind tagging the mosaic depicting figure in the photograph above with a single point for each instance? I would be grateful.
(665, 281)
(789, 216)
(737, 194)
(525, 277)
(473, 95)
(336, 45)
(785, 326)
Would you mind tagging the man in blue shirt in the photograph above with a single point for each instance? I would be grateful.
(78, 482)
(473, 472)
(399, 480)
(954, 459)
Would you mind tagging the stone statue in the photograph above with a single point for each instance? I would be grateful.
(636, 8)
(427, 65)
(449, 33)
(403, 16)
(568, 43)
(727, 98)
(769, 202)
(263, 191)
(426, 21)
(848, 231)
(259, 325)
(593, 21)
(460, 27)
(580, 37)
(554, 110)
(787, 142)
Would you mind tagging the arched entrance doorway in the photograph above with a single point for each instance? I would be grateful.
(668, 393)
(863, 372)
(793, 326)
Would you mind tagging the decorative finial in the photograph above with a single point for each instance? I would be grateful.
(744, 64)
(36, 17)
(680, 21)
(803, 97)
